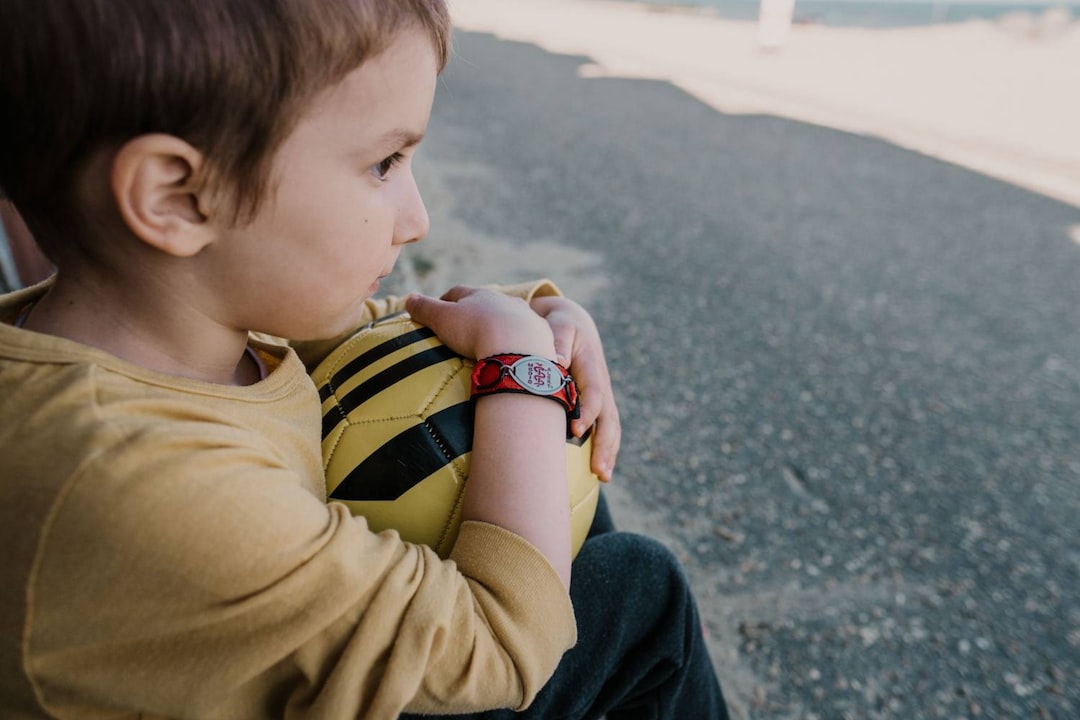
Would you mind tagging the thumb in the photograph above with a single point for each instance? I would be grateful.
(416, 304)
(424, 309)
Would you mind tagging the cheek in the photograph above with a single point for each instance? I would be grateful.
(373, 230)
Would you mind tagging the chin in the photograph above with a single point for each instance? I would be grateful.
(348, 319)
(323, 327)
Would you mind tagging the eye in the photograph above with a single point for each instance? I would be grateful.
(382, 169)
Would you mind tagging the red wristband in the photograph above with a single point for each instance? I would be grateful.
(528, 374)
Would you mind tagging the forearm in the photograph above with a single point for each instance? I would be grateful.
(517, 474)
(517, 477)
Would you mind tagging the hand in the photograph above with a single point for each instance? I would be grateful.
(478, 323)
(578, 347)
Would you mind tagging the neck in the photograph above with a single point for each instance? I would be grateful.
(147, 323)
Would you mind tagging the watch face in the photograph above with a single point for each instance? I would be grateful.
(538, 375)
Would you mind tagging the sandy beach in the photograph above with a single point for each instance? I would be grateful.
(996, 97)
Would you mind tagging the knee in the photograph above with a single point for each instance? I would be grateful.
(629, 568)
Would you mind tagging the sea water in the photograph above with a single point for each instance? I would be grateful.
(879, 13)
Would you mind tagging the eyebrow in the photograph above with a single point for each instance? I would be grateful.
(399, 138)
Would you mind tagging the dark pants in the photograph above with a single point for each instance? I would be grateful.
(640, 653)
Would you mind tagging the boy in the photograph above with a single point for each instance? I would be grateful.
(200, 171)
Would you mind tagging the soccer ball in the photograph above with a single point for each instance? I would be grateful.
(397, 435)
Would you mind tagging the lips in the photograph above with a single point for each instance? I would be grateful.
(375, 285)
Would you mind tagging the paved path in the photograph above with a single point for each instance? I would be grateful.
(849, 377)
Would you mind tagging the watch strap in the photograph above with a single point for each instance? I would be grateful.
(526, 374)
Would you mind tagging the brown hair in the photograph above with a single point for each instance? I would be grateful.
(231, 77)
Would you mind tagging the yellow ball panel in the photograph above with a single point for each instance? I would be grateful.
(429, 513)
(355, 443)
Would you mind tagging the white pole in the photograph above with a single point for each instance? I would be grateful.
(774, 23)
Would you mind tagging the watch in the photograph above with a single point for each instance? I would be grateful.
(528, 374)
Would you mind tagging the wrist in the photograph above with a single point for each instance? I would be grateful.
(544, 351)
(540, 343)
(526, 374)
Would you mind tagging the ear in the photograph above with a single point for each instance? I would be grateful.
(153, 182)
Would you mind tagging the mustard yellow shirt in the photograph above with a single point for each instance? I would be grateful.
(167, 551)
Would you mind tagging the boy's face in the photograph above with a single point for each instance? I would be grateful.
(342, 206)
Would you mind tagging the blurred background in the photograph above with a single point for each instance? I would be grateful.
(878, 13)
(838, 279)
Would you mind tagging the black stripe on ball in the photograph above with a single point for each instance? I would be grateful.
(379, 382)
(409, 457)
(368, 357)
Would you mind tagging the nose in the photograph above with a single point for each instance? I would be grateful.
(413, 222)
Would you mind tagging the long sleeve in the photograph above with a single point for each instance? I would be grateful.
(208, 599)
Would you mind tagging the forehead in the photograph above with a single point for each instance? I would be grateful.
(386, 101)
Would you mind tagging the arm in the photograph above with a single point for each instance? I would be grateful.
(517, 477)
(266, 597)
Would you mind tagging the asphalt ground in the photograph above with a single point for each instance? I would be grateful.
(848, 374)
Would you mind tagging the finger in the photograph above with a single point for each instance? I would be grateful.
(591, 402)
(598, 411)
(425, 310)
(457, 292)
(606, 440)
(564, 331)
